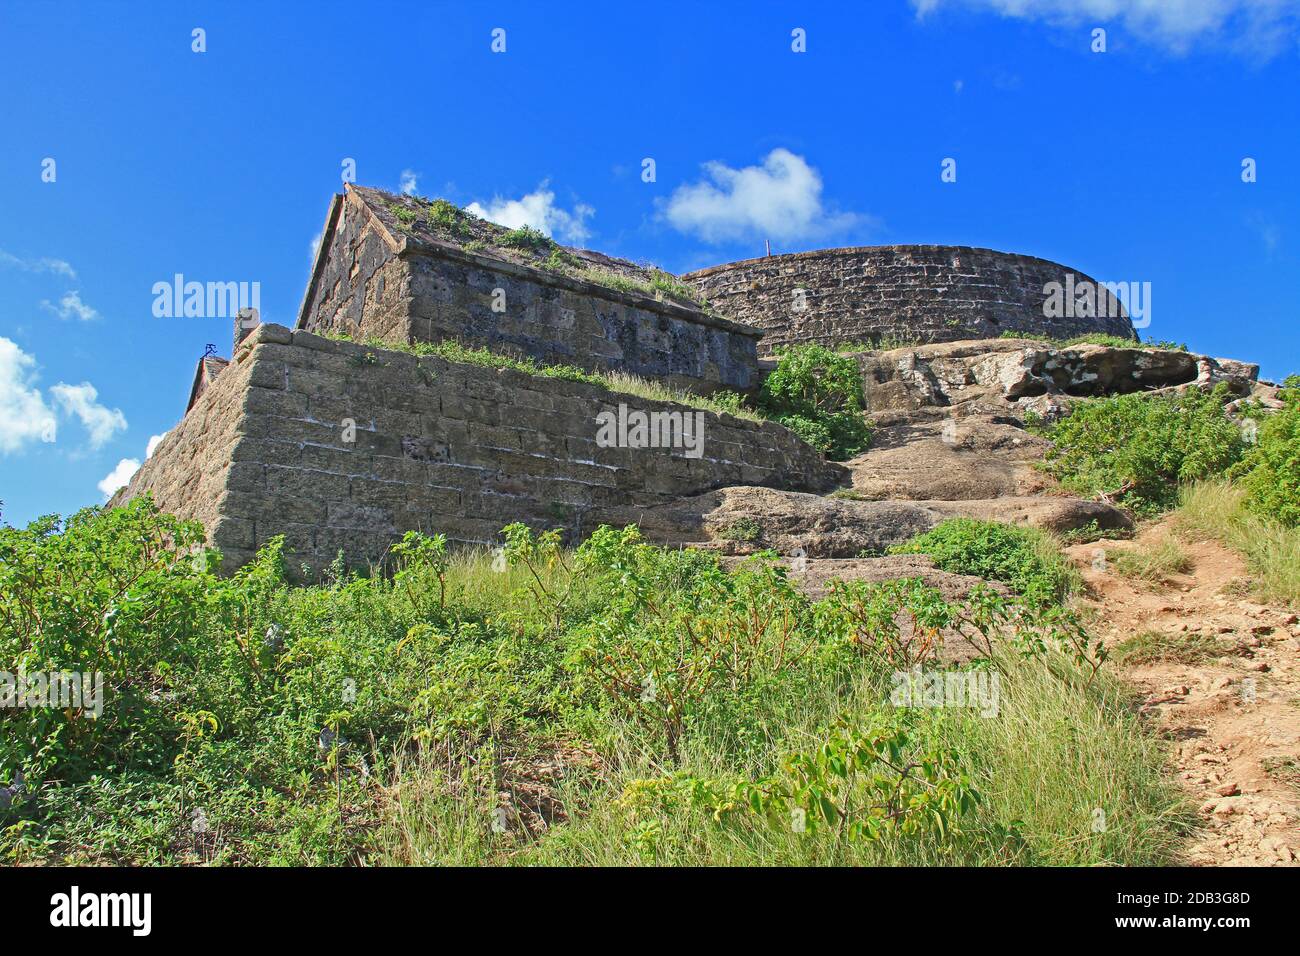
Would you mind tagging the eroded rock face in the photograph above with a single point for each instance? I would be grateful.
(1008, 372)
(949, 417)
(816, 575)
(958, 458)
(741, 520)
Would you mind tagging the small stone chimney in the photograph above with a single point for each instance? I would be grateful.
(245, 321)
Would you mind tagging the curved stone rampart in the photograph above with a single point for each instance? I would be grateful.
(906, 293)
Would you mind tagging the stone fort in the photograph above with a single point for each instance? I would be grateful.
(342, 433)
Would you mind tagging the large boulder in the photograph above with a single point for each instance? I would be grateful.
(1007, 372)
(949, 458)
(741, 520)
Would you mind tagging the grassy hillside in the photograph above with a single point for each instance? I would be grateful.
(620, 703)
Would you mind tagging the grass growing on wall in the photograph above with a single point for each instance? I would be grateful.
(449, 221)
(720, 402)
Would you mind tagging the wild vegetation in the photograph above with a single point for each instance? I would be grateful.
(1154, 563)
(1097, 338)
(1026, 559)
(817, 394)
(616, 703)
(1233, 477)
(1136, 450)
(449, 221)
(1221, 510)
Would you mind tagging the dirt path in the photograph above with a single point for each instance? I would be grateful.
(1232, 712)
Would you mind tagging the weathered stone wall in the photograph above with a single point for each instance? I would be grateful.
(438, 446)
(188, 471)
(906, 293)
(374, 280)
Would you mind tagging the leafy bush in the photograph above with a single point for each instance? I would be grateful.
(400, 717)
(527, 239)
(449, 218)
(1137, 449)
(818, 395)
(1025, 559)
(1270, 469)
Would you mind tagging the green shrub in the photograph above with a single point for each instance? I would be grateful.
(742, 529)
(449, 218)
(1137, 449)
(1025, 559)
(817, 394)
(527, 239)
(392, 717)
(1270, 469)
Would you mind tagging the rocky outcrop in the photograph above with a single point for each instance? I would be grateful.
(957, 458)
(1009, 374)
(741, 520)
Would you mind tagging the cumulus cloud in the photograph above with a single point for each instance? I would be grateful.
(780, 199)
(118, 477)
(83, 401)
(70, 305)
(1261, 27)
(410, 182)
(24, 415)
(537, 209)
(56, 266)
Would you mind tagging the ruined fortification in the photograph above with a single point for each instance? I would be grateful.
(902, 294)
(387, 269)
(342, 446)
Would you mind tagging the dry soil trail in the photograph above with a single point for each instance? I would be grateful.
(1232, 716)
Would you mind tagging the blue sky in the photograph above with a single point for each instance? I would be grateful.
(220, 165)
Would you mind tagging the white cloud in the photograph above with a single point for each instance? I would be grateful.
(24, 416)
(781, 199)
(537, 209)
(82, 400)
(56, 266)
(410, 182)
(1259, 27)
(126, 469)
(69, 306)
(118, 477)
(315, 243)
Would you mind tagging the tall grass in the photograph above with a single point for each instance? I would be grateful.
(1217, 509)
(624, 383)
(395, 718)
(1067, 775)
(721, 402)
(1153, 562)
